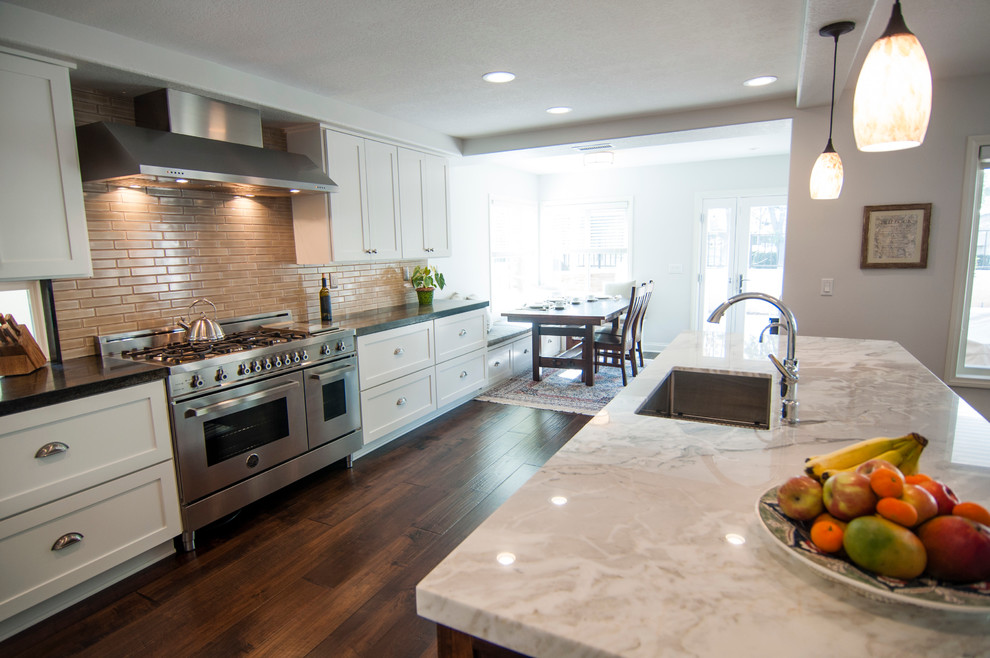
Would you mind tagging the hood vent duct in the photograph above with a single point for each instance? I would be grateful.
(191, 142)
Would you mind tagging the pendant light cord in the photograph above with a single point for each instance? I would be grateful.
(831, 106)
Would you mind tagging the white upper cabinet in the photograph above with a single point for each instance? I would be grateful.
(360, 222)
(42, 219)
(423, 204)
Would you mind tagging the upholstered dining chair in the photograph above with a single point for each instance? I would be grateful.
(638, 329)
(614, 349)
(620, 288)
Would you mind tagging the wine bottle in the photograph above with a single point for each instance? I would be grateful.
(325, 314)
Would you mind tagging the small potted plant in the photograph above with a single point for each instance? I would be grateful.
(424, 279)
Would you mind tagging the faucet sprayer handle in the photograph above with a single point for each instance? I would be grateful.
(788, 369)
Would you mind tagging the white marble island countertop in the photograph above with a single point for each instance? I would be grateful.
(636, 562)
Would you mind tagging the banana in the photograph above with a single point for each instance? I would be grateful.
(894, 449)
(909, 466)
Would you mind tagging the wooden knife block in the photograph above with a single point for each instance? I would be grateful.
(19, 352)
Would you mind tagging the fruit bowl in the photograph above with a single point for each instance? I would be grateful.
(794, 538)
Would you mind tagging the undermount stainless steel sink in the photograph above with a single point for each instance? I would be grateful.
(720, 397)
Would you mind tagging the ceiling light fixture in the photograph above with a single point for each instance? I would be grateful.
(559, 110)
(893, 100)
(498, 77)
(826, 175)
(760, 81)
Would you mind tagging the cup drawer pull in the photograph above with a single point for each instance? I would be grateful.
(66, 540)
(49, 449)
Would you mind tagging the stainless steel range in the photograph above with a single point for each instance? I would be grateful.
(252, 411)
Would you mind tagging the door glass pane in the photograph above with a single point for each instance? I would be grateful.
(763, 264)
(978, 330)
(334, 400)
(716, 256)
(243, 431)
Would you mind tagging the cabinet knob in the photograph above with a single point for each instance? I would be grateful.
(464, 373)
(49, 449)
(496, 364)
(399, 351)
(462, 332)
(400, 402)
(526, 351)
(66, 540)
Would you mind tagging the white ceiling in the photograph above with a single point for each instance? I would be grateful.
(422, 60)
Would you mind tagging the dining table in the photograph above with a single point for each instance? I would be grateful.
(578, 319)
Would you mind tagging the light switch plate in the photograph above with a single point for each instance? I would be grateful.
(827, 286)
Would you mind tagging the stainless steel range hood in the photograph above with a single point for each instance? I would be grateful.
(191, 142)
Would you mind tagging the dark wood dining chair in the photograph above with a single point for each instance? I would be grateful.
(638, 329)
(613, 350)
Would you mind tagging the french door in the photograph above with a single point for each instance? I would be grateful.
(742, 250)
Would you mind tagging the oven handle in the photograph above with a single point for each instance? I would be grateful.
(333, 372)
(275, 391)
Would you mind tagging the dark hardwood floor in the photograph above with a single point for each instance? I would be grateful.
(327, 566)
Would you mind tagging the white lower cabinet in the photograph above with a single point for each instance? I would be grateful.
(522, 355)
(409, 373)
(390, 406)
(459, 377)
(500, 366)
(66, 542)
(88, 496)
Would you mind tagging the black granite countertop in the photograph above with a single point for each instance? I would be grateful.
(70, 380)
(371, 322)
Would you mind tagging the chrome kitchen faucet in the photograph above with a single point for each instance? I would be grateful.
(789, 368)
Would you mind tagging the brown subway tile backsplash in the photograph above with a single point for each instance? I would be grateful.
(156, 251)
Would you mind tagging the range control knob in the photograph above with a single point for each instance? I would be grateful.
(305, 355)
(256, 366)
(268, 364)
(197, 382)
(325, 350)
(278, 361)
(244, 369)
(341, 346)
(295, 357)
(221, 375)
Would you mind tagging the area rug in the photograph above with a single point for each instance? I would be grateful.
(559, 390)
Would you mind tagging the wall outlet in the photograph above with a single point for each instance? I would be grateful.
(827, 285)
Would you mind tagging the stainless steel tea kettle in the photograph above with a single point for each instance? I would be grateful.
(202, 328)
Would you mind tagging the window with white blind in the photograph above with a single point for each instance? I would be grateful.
(584, 245)
(968, 361)
(22, 299)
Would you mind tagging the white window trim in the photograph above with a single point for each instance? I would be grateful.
(33, 289)
(968, 225)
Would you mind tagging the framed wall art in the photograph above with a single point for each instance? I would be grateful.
(896, 236)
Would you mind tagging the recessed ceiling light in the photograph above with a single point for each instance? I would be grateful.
(760, 81)
(499, 76)
(559, 110)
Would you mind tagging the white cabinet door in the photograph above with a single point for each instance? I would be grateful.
(393, 405)
(500, 366)
(460, 333)
(522, 357)
(382, 194)
(43, 221)
(389, 354)
(460, 377)
(350, 233)
(423, 204)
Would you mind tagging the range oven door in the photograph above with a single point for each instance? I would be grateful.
(333, 404)
(228, 436)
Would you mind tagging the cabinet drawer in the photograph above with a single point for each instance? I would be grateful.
(388, 407)
(522, 355)
(117, 521)
(459, 377)
(103, 437)
(389, 354)
(499, 363)
(460, 334)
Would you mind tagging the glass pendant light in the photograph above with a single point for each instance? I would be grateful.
(893, 100)
(826, 175)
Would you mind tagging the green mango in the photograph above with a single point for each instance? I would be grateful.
(884, 547)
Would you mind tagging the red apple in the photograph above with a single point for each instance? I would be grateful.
(921, 500)
(943, 495)
(847, 494)
(958, 549)
(800, 498)
(871, 465)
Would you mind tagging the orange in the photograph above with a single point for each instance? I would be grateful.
(887, 483)
(917, 478)
(973, 512)
(898, 511)
(827, 534)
